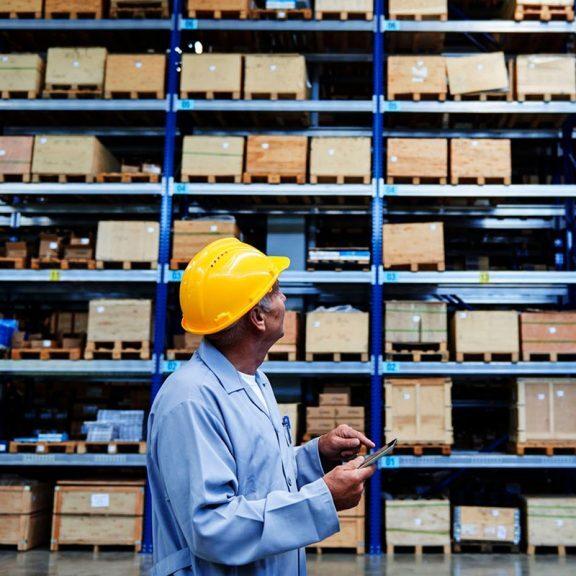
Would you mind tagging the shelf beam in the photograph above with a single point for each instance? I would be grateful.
(477, 368)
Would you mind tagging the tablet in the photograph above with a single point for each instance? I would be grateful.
(375, 456)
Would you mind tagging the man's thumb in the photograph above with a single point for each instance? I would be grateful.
(353, 464)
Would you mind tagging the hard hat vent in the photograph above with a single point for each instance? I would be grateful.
(221, 255)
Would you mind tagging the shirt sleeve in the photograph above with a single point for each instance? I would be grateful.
(202, 488)
(308, 463)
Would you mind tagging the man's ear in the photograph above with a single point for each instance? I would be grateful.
(257, 319)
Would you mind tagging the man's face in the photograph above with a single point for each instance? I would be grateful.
(275, 315)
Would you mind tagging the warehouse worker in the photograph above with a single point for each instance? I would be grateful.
(230, 494)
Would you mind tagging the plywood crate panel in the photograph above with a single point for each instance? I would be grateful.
(16, 154)
(349, 157)
(546, 74)
(549, 333)
(277, 155)
(137, 73)
(418, 9)
(417, 76)
(213, 156)
(25, 531)
(545, 409)
(484, 524)
(21, 73)
(190, 236)
(359, 511)
(127, 241)
(27, 7)
(416, 322)
(211, 74)
(480, 73)
(76, 66)
(414, 244)
(416, 158)
(551, 521)
(337, 332)
(480, 159)
(215, 6)
(72, 156)
(21, 497)
(275, 75)
(120, 319)
(59, 8)
(419, 410)
(351, 535)
(478, 332)
(417, 523)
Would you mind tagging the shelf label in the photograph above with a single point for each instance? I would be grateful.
(390, 277)
(391, 26)
(175, 276)
(391, 367)
(389, 106)
(189, 24)
(389, 462)
(484, 277)
(180, 189)
(186, 104)
(54, 276)
(172, 365)
(390, 190)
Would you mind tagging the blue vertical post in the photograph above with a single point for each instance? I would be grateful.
(376, 317)
(165, 227)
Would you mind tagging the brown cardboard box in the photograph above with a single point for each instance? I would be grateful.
(68, 323)
(320, 425)
(349, 412)
(334, 399)
(16, 250)
(69, 343)
(273, 157)
(16, 155)
(50, 246)
(320, 412)
(356, 423)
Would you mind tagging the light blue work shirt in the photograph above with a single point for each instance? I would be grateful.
(230, 494)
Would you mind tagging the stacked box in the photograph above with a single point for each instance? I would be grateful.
(417, 76)
(24, 513)
(414, 245)
(417, 158)
(480, 160)
(135, 74)
(79, 247)
(211, 75)
(289, 342)
(416, 322)
(16, 250)
(50, 245)
(277, 156)
(483, 524)
(337, 332)
(275, 76)
(98, 513)
(334, 409)
(76, 67)
(213, 157)
(16, 156)
(340, 157)
(548, 333)
(120, 319)
(551, 521)
(190, 236)
(66, 323)
(131, 241)
(21, 73)
(477, 74)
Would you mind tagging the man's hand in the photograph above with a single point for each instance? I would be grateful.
(342, 443)
(346, 483)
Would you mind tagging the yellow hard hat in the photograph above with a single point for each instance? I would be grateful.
(224, 281)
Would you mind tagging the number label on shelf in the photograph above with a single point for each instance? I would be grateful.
(390, 190)
(390, 277)
(54, 276)
(186, 104)
(390, 462)
(484, 277)
(391, 367)
(172, 365)
(175, 275)
(391, 26)
(180, 189)
(391, 107)
(190, 24)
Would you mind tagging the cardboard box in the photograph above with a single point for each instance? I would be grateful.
(211, 75)
(76, 66)
(419, 410)
(130, 241)
(353, 412)
(483, 524)
(340, 158)
(416, 322)
(334, 399)
(320, 425)
(551, 521)
(120, 319)
(548, 333)
(21, 73)
(417, 158)
(50, 245)
(135, 74)
(16, 155)
(337, 332)
(320, 412)
(275, 76)
(277, 156)
(358, 424)
(62, 322)
(217, 156)
(190, 236)
(79, 252)
(77, 8)
(545, 74)
(72, 156)
(351, 535)
(479, 73)
(416, 76)
(480, 160)
(415, 245)
(418, 9)
(16, 249)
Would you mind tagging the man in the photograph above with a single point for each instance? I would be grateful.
(230, 494)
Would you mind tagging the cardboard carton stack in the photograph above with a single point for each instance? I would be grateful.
(334, 409)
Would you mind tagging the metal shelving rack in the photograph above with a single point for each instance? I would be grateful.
(296, 281)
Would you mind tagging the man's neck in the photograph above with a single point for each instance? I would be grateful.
(246, 357)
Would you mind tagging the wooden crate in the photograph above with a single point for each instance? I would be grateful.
(287, 346)
(418, 524)
(211, 76)
(340, 160)
(275, 76)
(548, 334)
(418, 9)
(74, 9)
(479, 73)
(545, 76)
(213, 158)
(218, 8)
(22, 497)
(550, 521)
(119, 319)
(16, 157)
(416, 322)
(62, 323)
(76, 67)
(276, 159)
(416, 160)
(135, 76)
(98, 513)
(190, 236)
(417, 77)
(344, 9)
(82, 156)
(351, 534)
(21, 8)
(336, 333)
(544, 9)
(127, 241)
(21, 75)
(484, 524)
(414, 245)
(486, 333)
(545, 409)
(159, 9)
(419, 410)
(480, 160)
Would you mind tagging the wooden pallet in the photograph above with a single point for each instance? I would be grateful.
(139, 9)
(545, 448)
(115, 447)
(486, 547)
(113, 265)
(188, 95)
(480, 180)
(417, 352)
(133, 95)
(282, 352)
(558, 550)
(544, 12)
(74, 14)
(548, 357)
(483, 96)
(117, 350)
(292, 14)
(20, 94)
(95, 548)
(20, 14)
(416, 180)
(46, 353)
(72, 91)
(336, 356)
(417, 549)
(486, 357)
(179, 263)
(12, 263)
(128, 178)
(545, 97)
(418, 266)
(179, 354)
(24, 178)
(273, 179)
(275, 95)
(421, 449)
(419, 17)
(417, 97)
(42, 447)
(212, 179)
(340, 179)
(63, 263)
(336, 15)
(218, 14)
(64, 178)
